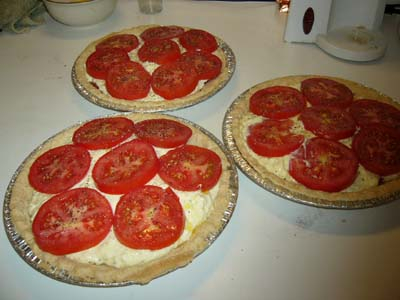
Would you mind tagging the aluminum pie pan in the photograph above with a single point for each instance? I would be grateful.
(282, 191)
(98, 98)
(24, 250)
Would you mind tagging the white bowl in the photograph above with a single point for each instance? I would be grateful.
(80, 12)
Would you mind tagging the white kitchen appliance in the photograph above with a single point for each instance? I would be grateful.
(348, 29)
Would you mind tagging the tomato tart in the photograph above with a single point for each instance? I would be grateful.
(318, 140)
(120, 200)
(153, 68)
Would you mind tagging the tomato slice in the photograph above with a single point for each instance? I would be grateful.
(159, 51)
(129, 81)
(59, 169)
(126, 167)
(206, 65)
(273, 138)
(323, 91)
(325, 165)
(369, 111)
(163, 133)
(103, 133)
(99, 62)
(277, 102)
(125, 42)
(161, 32)
(197, 39)
(149, 218)
(72, 221)
(328, 122)
(190, 168)
(174, 80)
(378, 149)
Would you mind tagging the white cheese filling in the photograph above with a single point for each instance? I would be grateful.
(196, 205)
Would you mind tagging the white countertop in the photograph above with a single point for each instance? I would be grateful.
(272, 248)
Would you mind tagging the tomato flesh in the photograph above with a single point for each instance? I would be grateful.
(273, 138)
(163, 133)
(129, 81)
(174, 80)
(125, 42)
(59, 169)
(126, 167)
(72, 221)
(99, 62)
(161, 32)
(328, 122)
(206, 65)
(198, 40)
(368, 111)
(149, 218)
(103, 133)
(327, 92)
(190, 168)
(378, 149)
(159, 51)
(322, 164)
(277, 102)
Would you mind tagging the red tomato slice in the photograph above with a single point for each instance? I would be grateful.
(126, 167)
(72, 221)
(163, 133)
(99, 62)
(159, 51)
(325, 165)
(196, 39)
(327, 92)
(174, 80)
(129, 81)
(149, 218)
(368, 111)
(378, 149)
(161, 32)
(125, 42)
(277, 102)
(273, 138)
(328, 122)
(206, 65)
(190, 168)
(103, 133)
(59, 169)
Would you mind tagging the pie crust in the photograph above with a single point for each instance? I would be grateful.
(89, 91)
(18, 222)
(235, 140)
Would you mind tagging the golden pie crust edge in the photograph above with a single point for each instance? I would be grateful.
(65, 269)
(293, 190)
(93, 94)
